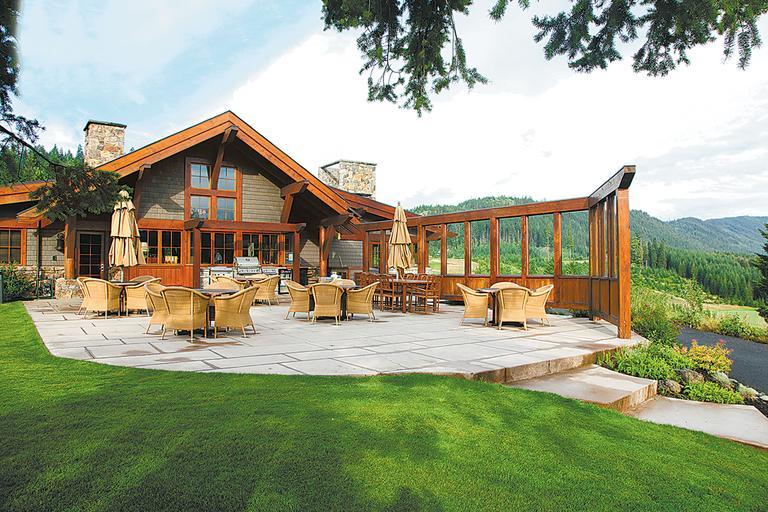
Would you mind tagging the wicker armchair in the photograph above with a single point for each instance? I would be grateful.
(475, 304)
(505, 285)
(234, 311)
(142, 279)
(157, 304)
(227, 283)
(103, 296)
(268, 290)
(299, 299)
(537, 303)
(136, 296)
(327, 298)
(512, 306)
(187, 309)
(83, 305)
(361, 301)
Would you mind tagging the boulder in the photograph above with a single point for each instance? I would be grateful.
(669, 387)
(720, 378)
(689, 376)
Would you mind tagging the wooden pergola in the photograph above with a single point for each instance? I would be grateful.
(604, 292)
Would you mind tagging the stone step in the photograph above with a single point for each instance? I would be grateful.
(595, 385)
(742, 423)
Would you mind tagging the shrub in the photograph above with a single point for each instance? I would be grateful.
(651, 316)
(16, 284)
(711, 392)
(653, 361)
(707, 358)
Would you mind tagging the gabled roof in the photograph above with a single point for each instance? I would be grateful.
(179, 141)
(383, 210)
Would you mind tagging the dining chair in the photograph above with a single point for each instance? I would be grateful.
(136, 296)
(234, 311)
(187, 310)
(475, 304)
(536, 307)
(157, 305)
(511, 308)
(300, 302)
(361, 301)
(327, 297)
(103, 296)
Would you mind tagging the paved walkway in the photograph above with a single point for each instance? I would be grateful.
(394, 343)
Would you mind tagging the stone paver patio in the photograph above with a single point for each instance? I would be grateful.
(395, 343)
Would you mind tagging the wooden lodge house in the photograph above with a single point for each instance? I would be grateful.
(220, 189)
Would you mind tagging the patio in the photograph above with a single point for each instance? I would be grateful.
(395, 343)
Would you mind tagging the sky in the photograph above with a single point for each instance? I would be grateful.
(699, 137)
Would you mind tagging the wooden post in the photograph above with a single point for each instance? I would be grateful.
(296, 256)
(366, 252)
(557, 225)
(444, 249)
(494, 248)
(625, 269)
(323, 255)
(70, 247)
(467, 249)
(421, 241)
(196, 256)
(383, 252)
(524, 249)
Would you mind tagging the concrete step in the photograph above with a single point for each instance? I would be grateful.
(742, 423)
(595, 385)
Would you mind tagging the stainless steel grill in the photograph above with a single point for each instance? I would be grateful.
(247, 266)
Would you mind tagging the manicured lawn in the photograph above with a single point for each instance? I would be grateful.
(81, 436)
(750, 315)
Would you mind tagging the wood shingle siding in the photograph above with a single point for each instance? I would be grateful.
(346, 253)
(49, 248)
(162, 190)
(261, 198)
(310, 252)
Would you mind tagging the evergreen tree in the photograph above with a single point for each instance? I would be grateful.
(761, 262)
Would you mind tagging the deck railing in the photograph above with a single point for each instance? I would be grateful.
(604, 288)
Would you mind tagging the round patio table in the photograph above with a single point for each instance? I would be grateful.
(492, 292)
(122, 285)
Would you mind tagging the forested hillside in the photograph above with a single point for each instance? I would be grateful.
(20, 164)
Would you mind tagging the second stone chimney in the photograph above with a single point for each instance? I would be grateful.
(350, 176)
(103, 142)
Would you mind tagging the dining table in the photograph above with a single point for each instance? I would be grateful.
(493, 294)
(404, 284)
(123, 285)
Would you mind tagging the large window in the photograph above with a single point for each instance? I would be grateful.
(199, 207)
(216, 248)
(575, 243)
(163, 247)
(200, 175)
(10, 246)
(541, 245)
(510, 247)
(434, 248)
(480, 247)
(265, 246)
(226, 178)
(455, 244)
(225, 208)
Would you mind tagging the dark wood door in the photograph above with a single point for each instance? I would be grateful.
(90, 255)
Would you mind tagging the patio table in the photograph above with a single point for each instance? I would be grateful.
(344, 287)
(122, 285)
(492, 292)
(404, 284)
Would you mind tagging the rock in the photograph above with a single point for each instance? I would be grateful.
(669, 387)
(764, 398)
(689, 376)
(734, 383)
(720, 378)
(747, 392)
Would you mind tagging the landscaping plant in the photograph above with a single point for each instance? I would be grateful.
(711, 392)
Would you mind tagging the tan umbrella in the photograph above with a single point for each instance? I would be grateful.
(400, 242)
(125, 250)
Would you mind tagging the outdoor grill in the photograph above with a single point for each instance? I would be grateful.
(247, 266)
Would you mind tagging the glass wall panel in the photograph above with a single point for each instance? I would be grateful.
(575, 243)
(456, 249)
(541, 245)
(434, 248)
(510, 246)
(480, 247)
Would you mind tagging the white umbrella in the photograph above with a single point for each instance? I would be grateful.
(125, 249)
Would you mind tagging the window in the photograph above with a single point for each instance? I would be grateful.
(200, 176)
(89, 257)
(575, 242)
(289, 249)
(541, 245)
(455, 243)
(216, 248)
(480, 247)
(225, 208)
(200, 207)
(510, 247)
(226, 178)
(434, 248)
(10, 246)
(265, 246)
(163, 247)
(375, 257)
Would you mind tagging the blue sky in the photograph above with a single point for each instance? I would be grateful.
(699, 137)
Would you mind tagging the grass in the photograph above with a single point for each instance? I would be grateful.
(81, 436)
(748, 314)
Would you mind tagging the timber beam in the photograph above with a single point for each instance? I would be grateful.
(226, 139)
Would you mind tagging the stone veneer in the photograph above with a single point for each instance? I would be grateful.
(351, 176)
(103, 142)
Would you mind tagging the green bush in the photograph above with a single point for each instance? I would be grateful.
(652, 361)
(16, 284)
(711, 392)
(652, 316)
(707, 358)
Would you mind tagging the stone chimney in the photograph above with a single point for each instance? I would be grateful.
(103, 142)
(356, 177)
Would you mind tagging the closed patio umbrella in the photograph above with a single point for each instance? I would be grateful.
(125, 249)
(400, 242)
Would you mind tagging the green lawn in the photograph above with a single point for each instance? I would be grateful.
(81, 436)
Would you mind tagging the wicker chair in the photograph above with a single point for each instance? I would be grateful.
(505, 285)
(268, 290)
(299, 299)
(512, 306)
(157, 304)
(361, 301)
(187, 309)
(234, 311)
(327, 298)
(136, 296)
(475, 304)
(536, 307)
(142, 279)
(83, 305)
(103, 296)
(227, 283)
